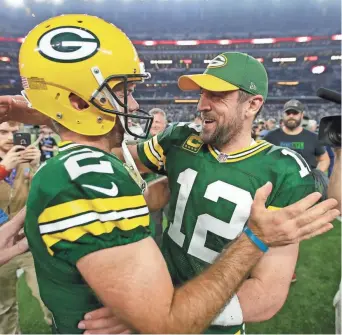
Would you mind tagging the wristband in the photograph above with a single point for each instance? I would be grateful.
(3, 172)
(260, 244)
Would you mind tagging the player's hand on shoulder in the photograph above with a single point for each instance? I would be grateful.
(292, 224)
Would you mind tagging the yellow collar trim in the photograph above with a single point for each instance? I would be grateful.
(240, 154)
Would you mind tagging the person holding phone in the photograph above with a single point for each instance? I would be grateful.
(18, 163)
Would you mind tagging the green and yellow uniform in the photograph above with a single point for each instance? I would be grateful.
(81, 201)
(212, 194)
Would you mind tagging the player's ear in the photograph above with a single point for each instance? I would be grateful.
(255, 104)
(77, 102)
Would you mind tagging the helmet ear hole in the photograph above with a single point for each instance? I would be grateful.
(77, 102)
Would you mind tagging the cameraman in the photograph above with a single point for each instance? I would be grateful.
(17, 166)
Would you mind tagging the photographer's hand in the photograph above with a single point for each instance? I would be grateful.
(32, 155)
(13, 158)
(11, 242)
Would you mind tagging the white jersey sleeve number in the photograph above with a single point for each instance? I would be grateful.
(205, 222)
(304, 167)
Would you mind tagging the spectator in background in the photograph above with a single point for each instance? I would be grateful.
(281, 123)
(312, 126)
(294, 137)
(305, 121)
(271, 124)
(159, 121)
(47, 144)
(14, 189)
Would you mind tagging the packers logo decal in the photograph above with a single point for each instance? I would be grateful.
(68, 44)
(218, 61)
(193, 143)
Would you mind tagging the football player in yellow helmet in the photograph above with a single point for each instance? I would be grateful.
(83, 56)
(87, 222)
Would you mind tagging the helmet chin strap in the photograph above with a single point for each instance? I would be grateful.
(129, 161)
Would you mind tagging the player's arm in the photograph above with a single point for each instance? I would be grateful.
(323, 162)
(15, 108)
(158, 194)
(151, 155)
(264, 293)
(142, 294)
(334, 187)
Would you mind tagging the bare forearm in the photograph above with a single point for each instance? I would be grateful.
(334, 187)
(257, 302)
(157, 194)
(196, 304)
(21, 112)
(323, 165)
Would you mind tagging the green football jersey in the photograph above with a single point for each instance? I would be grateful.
(212, 194)
(81, 201)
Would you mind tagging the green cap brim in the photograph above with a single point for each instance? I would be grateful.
(204, 81)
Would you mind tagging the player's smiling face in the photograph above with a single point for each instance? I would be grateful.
(222, 117)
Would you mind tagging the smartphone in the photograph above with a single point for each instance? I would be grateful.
(23, 139)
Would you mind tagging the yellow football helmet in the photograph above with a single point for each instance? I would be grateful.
(86, 56)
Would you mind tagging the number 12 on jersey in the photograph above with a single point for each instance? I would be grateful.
(229, 229)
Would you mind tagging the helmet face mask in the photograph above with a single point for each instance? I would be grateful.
(106, 92)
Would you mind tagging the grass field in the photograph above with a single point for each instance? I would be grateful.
(308, 309)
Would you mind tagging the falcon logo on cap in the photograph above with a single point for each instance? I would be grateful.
(218, 61)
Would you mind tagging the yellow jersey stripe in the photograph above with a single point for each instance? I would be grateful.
(75, 207)
(89, 217)
(264, 145)
(273, 208)
(159, 149)
(149, 155)
(94, 228)
(247, 156)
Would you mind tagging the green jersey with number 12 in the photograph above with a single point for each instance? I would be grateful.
(212, 194)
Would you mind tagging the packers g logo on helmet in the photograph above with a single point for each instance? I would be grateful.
(68, 44)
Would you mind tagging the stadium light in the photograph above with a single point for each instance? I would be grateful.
(303, 39)
(318, 69)
(288, 83)
(263, 40)
(284, 60)
(336, 37)
(336, 57)
(150, 43)
(310, 58)
(15, 3)
(161, 61)
(193, 42)
(224, 42)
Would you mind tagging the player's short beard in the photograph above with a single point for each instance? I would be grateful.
(225, 133)
(292, 125)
